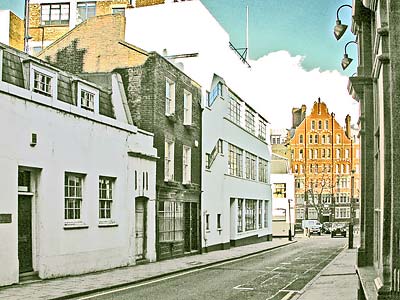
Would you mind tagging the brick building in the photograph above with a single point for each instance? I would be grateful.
(325, 162)
(377, 88)
(162, 100)
(51, 19)
(12, 30)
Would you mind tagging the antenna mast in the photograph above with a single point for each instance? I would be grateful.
(247, 32)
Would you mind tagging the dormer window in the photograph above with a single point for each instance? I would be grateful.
(88, 97)
(87, 100)
(42, 83)
(43, 80)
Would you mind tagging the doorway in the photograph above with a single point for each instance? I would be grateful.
(25, 233)
(140, 227)
(191, 228)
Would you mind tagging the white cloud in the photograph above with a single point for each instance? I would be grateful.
(278, 82)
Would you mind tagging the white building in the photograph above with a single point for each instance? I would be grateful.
(282, 181)
(236, 200)
(78, 180)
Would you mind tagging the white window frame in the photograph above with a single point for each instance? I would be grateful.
(106, 195)
(84, 87)
(44, 71)
(187, 165)
(169, 160)
(187, 107)
(75, 198)
(169, 97)
(250, 121)
(55, 22)
(262, 130)
(86, 5)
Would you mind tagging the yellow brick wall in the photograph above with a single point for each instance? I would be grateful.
(16, 32)
(101, 48)
(47, 33)
(140, 3)
(105, 7)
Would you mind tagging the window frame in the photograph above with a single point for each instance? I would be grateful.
(53, 75)
(235, 161)
(86, 5)
(73, 201)
(186, 164)
(108, 199)
(169, 152)
(53, 7)
(82, 87)
(187, 107)
(235, 114)
(250, 121)
(170, 90)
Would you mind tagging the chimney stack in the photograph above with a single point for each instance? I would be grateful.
(348, 126)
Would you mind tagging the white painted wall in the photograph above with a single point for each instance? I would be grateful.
(278, 203)
(5, 26)
(74, 140)
(218, 186)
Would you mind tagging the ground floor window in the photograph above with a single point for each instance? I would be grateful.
(260, 207)
(240, 216)
(265, 214)
(170, 221)
(251, 206)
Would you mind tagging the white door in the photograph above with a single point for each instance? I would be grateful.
(140, 228)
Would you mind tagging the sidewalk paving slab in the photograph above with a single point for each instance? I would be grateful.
(72, 286)
(338, 280)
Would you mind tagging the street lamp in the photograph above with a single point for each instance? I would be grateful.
(346, 61)
(290, 221)
(339, 28)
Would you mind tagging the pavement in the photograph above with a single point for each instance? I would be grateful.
(337, 280)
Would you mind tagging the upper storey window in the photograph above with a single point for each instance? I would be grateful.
(312, 124)
(250, 123)
(234, 111)
(118, 11)
(86, 10)
(169, 97)
(55, 14)
(88, 97)
(42, 83)
(262, 130)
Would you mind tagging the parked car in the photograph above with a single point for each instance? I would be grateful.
(314, 226)
(339, 229)
(326, 227)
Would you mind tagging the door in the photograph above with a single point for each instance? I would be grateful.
(140, 227)
(25, 233)
(190, 236)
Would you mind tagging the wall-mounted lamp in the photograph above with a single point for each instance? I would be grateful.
(339, 28)
(346, 61)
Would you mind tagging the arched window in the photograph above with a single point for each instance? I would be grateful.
(338, 139)
(311, 139)
(319, 124)
(312, 124)
(326, 124)
(316, 139)
(323, 139)
(301, 139)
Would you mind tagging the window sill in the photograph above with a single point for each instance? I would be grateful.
(171, 118)
(72, 226)
(108, 224)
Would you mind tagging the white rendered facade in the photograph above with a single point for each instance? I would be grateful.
(57, 143)
(236, 204)
(282, 195)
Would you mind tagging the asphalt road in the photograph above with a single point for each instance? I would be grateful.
(273, 275)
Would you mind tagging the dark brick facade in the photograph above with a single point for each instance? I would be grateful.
(145, 87)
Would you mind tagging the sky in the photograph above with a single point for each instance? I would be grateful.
(294, 56)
